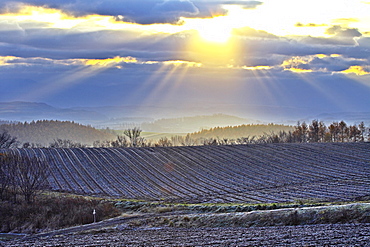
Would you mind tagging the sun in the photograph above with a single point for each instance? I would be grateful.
(216, 30)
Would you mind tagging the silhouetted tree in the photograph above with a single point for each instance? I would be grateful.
(343, 130)
(63, 143)
(362, 129)
(300, 132)
(7, 141)
(6, 178)
(188, 141)
(25, 174)
(334, 131)
(120, 142)
(314, 130)
(134, 136)
(211, 142)
(354, 133)
(164, 142)
(322, 131)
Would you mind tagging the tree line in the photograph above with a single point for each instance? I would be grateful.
(316, 131)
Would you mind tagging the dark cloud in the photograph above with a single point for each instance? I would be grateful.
(142, 12)
(364, 42)
(327, 41)
(332, 64)
(63, 44)
(343, 32)
(145, 12)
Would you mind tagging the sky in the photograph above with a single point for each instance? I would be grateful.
(238, 56)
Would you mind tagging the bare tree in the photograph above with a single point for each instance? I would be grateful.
(120, 142)
(334, 131)
(300, 132)
(5, 175)
(164, 142)
(188, 141)
(64, 143)
(354, 133)
(212, 142)
(31, 175)
(343, 130)
(362, 129)
(314, 130)
(134, 136)
(177, 140)
(7, 141)
(322, 131)
(26, 174)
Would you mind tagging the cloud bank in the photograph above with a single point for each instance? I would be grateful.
(124, 52)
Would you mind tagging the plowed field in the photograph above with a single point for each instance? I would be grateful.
(261, 173)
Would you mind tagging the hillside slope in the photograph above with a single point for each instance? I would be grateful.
(259, 173)
(46, 131)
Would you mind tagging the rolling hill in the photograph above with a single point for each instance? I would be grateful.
(44, 132)
(259, 173)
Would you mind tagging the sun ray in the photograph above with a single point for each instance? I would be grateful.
(86, 68)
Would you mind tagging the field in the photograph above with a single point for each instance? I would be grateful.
(261, 173)
(279, 227)
(218, 192)
(309, 235)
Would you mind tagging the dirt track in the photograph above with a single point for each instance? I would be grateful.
(310, 235)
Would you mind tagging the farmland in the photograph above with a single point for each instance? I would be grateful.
(309, 235)
(225, 188)
(260, 173)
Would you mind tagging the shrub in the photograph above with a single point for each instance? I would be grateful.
(53, 212)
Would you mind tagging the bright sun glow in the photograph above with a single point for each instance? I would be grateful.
(211, 41)
(217, 29)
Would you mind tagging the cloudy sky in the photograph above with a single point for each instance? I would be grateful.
(307, 55)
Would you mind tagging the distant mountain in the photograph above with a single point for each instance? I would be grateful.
(172, 118)
(28, 111)
(193, 124)
(100, 117)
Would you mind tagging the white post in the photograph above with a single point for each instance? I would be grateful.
(94, 213)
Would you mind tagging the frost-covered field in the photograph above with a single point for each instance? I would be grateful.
(260, 173)
(309, 235)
